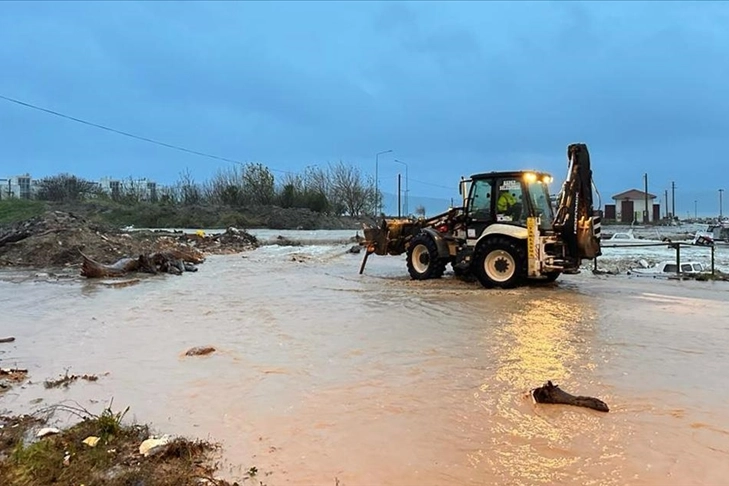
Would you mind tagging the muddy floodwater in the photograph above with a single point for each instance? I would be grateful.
(321, 373)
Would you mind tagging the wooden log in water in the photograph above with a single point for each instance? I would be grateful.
(162, 262)
(93, 269)
(550, 393)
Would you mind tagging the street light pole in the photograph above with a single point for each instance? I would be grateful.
(406, 185)
(696, 209)
(377, 182)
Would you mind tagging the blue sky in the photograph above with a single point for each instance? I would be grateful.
(452, 88)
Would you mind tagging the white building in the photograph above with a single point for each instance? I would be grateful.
(20, 186)
(630, 206)
(25, 187)
(144, 189)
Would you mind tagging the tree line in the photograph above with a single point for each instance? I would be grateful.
(336, 189)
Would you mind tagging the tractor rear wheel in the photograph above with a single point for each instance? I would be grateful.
(423, 260)
(500, 262)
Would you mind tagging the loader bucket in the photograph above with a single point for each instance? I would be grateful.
(390, 237)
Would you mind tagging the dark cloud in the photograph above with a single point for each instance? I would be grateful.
(454, 88)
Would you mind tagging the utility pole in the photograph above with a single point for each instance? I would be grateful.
(399, 214)
(696, 209)
(646, 216)
(665, 201)
(673, 200)
(406, 185)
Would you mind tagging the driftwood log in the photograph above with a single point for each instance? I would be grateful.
(550, 393)
(172, 261)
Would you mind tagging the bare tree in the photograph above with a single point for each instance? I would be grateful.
(189, 191)
(420, 210)
(225, 187)
(258, 184)
(65, 187)
(350, 192)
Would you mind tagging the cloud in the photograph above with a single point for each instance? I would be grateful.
(452, 87)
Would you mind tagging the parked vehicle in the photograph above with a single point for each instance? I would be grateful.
(668, 268)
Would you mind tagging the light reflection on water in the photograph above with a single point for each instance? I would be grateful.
(376, 379)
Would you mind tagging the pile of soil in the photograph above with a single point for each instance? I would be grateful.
(57, 238)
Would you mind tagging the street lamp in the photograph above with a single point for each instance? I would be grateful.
(406, 185)
(377, 175)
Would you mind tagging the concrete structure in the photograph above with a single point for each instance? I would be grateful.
(25, 187)
(20, 186)
(630, 206)
(144, 189)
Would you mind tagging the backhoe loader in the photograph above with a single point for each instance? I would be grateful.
(506, 232)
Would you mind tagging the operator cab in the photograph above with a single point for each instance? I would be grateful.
(509, 198)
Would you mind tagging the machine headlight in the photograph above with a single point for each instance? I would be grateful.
(547, 179)
(530, 177)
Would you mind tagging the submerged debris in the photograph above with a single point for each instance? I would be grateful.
(550, 393)
(10, 377)
(67, 379)
(200, 351)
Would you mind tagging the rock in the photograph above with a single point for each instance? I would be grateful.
(91, 441)
(200, 351)
(7, 340)
(153, 446)
(355, 249)
(46, 431)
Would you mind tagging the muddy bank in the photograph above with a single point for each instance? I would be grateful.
(59, 238)
(66, 444)
(100, 450)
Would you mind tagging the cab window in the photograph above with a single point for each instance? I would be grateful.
(509, 200)
(481, 200)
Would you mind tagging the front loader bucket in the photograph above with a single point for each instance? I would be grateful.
(389, 238)
(375, 240)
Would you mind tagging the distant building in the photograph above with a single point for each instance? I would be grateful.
(20, 186)
(143, 189)
(25, 187)
(630, 205)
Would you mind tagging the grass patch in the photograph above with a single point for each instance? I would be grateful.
(115, 460)
(14, 210)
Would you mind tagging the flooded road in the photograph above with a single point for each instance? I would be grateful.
(322, 373)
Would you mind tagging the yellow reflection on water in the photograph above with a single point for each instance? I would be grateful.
(539, 342)
(548, 339)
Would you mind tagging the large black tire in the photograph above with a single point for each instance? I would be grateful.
(500, 262)
(423, 260)
(461, 274)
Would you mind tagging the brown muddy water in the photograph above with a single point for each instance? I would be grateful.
(378, 380)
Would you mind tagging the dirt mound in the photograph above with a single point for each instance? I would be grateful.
(57, 238)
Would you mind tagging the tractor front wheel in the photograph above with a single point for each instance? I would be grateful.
(500, 262)
(423, 260)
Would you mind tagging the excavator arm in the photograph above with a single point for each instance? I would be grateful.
(575, 219)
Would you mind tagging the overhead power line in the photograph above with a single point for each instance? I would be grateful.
(153, 141)
(127, 134)
(430, 184)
